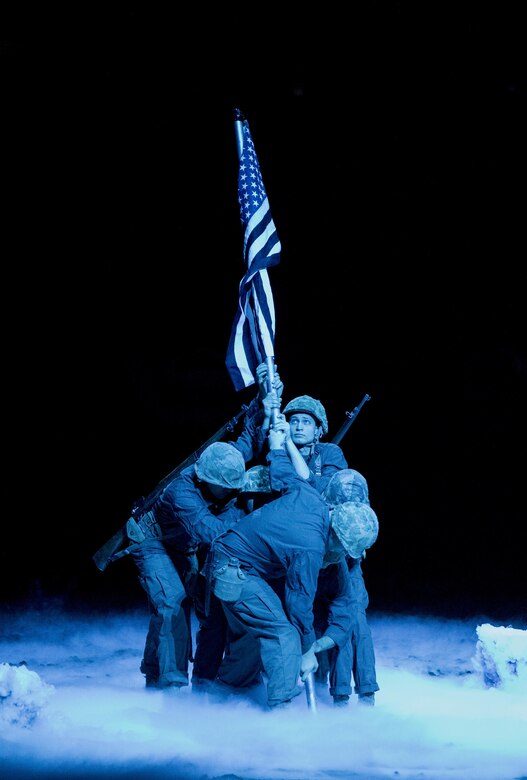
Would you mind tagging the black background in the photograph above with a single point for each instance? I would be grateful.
(391, 142)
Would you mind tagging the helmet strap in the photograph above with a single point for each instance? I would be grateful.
(308, 449)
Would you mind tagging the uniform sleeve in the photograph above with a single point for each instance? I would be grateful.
(340, 614)
(250, 442)
(300, 589)
(282, 473)
(201, 525)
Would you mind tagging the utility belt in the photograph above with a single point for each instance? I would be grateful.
(146, 527)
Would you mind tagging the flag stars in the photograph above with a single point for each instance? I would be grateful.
(251, 191)
(252, 335)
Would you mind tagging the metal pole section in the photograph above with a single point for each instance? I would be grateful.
(309, 683)
(270, 381)
(238, 128)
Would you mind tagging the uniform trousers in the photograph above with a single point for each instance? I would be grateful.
(168, 645)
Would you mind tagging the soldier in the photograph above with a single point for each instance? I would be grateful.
(287, 538)
(197, 505)
(308, 424)
(193, 509)
(322, 464)
(357, 657)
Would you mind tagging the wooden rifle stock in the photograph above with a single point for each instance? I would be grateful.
(105, 554)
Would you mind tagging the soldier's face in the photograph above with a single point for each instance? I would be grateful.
(220, 493)
(302, 428)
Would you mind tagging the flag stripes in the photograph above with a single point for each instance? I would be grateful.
(253, 331)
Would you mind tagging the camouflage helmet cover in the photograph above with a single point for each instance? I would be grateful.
(304, 403)
(257, 480)
(346, 485)
(221, 464)
(356, 526)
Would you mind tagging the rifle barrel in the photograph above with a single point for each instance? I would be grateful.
(351, 417)
(111, 550)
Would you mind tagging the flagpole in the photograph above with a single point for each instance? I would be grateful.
(239, 119)
(238, 129)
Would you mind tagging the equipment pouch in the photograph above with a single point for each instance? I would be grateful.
(145, 527)
(133, 532)
(228, 580)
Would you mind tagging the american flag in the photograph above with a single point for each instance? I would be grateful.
(253, 330)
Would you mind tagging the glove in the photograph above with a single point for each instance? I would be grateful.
(270, 402)
(276, 439)
(308, 664)
(261, 380)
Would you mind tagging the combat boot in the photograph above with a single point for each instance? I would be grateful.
(367, 699)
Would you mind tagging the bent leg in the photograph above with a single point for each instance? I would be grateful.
(210, 637)
(340, 669)
(260, 612)
(363, 653)
(242, 665)
(363, 657)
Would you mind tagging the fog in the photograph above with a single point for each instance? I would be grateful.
(452, 704)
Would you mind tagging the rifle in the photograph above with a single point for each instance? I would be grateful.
(112, 549)
(351, 417)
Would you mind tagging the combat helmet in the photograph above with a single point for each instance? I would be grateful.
(257, 480)
(356, 526)
(304, 403)
(346, 485)
(221, 464)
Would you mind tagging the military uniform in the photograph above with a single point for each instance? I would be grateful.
(187, 519)
(357, 656)
(191, 519)
(284, 538)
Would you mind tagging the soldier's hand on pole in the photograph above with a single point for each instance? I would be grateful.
(270, 402)
(309, 663)
(262, 378)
